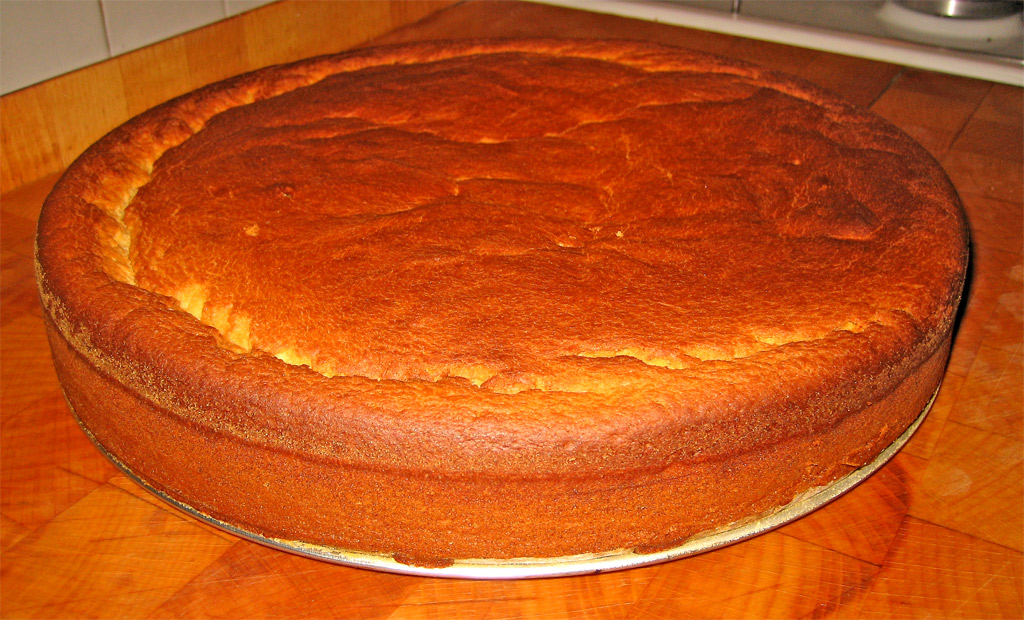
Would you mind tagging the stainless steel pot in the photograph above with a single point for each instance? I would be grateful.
(965, 9)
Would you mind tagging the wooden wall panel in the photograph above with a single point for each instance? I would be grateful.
(154, 74)
(45, 126)
(72, 111)
(219, 51)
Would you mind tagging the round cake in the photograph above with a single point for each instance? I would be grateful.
(502, 299)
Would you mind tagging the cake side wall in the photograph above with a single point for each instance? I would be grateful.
(428, 518)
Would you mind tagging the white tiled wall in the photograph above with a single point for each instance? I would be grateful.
(40, 39)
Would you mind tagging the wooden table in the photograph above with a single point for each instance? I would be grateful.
(936, 533)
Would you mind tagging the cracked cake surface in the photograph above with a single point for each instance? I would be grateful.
(601, 273)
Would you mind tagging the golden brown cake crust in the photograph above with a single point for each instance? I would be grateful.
(483, 270)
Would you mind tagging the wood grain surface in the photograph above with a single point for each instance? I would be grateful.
(937, 533)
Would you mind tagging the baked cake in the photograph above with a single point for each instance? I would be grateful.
(500, 299)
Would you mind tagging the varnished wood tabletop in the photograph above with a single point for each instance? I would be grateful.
(937, 533)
